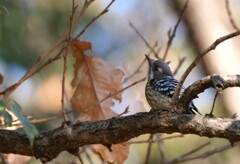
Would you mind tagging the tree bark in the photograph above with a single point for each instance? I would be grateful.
(70, 137)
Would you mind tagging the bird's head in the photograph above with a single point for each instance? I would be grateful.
(158, 69)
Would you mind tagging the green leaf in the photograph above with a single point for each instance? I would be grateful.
(7, 118)
(29, 128)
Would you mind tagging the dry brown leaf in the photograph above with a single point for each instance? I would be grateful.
(118, 154)
(121, 151)
(104, 153)
(94, 80)
(79, 47)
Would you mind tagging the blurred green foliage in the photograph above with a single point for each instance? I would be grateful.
(28, 29)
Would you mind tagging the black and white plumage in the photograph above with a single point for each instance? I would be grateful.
(161, 85)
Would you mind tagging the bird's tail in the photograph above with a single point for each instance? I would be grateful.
(193, 109)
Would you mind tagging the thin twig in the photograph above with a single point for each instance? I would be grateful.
(79, 158)
(33, 70)
(171, 34)
(87, 3)
(65, 60)
(196, 149)
(36, 67)
(144, 40)
(149, 149)
(88, 157)
(182, 157)
(209, 153)
(10, 89)
(159, 49)
(87, 109)
(124, 112)
(154, 140)
(233, 23)
(113, 94)
(214, 101)
(180, 63)
(161, 149)
(196, 61)
(135, 72)
(94, 19)
(141, 64)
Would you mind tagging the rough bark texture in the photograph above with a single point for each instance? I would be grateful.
(215, 81)
(116, 130)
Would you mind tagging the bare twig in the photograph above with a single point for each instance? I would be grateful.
(196, 149)
(34, 69)
(182, 157)
(171, 34)
(124, 112)
(94, 19)
(87, 109)
(233, 23)
(136, 71)
(199, 86)
(214, 101)
(79, 158)
(209, 153)
(88, 157)
(65, 59)
(149, 149)
(37, 66)
(154, 140)
(10, 89)
(196, 61)
(141, 64)
(87, 3)
(159, 49)
(180, 63)
(113, 94)
(144, 40)
(161, 149)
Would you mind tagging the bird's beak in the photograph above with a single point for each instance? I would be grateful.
(150, 61)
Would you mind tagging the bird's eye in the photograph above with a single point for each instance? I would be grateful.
(160, 69)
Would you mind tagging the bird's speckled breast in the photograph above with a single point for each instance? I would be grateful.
(155, 99)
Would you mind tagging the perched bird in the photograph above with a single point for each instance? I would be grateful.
(161, 85)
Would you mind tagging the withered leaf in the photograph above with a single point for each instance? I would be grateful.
(118, 154)
(94, 79)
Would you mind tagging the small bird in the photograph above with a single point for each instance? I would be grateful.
(161, 85)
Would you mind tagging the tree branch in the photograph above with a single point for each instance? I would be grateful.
(115, 130)
(218, 82)
(70, 137)
(175, 97)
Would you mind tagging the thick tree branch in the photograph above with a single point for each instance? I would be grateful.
(70, 137)
(115, 130)
(218, 82)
